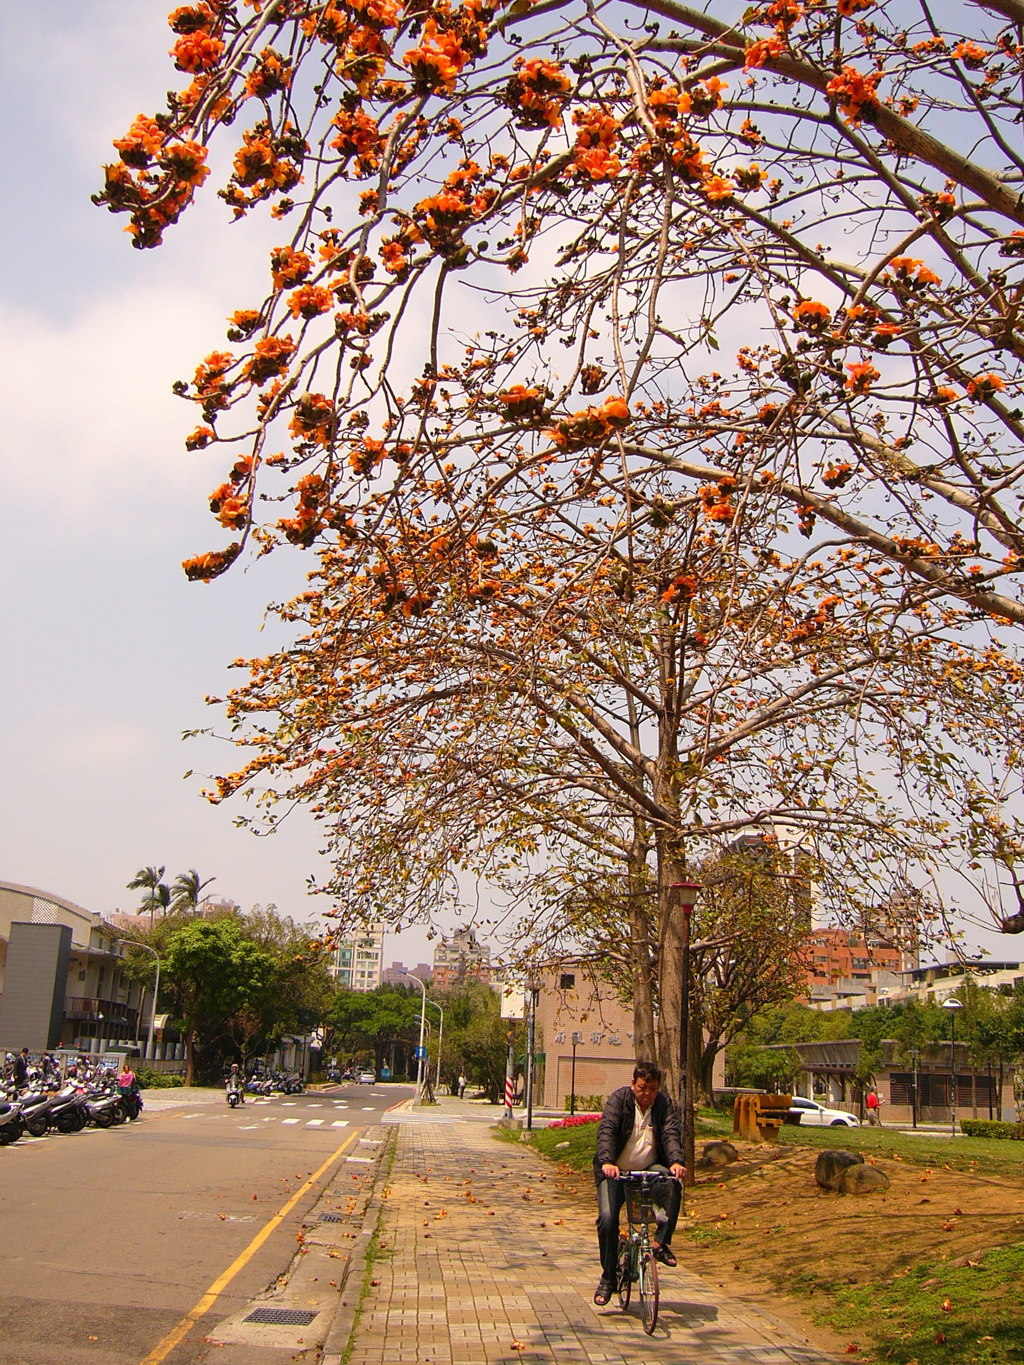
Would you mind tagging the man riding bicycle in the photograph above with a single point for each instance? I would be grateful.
(639, 1131)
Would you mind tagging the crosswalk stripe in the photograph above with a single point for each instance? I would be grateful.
(313, 1123)
(291, 1120)
(340, 1123)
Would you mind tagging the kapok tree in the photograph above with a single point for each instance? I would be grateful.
(495, 704)
(755, 263)
(591, 201)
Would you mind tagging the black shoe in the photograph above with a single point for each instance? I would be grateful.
(603, 1292)
(665, 1256)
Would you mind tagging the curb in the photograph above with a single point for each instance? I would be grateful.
(350, 1291)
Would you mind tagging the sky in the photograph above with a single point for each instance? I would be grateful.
(109, 652)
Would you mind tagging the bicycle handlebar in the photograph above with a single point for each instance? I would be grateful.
(646, 1175)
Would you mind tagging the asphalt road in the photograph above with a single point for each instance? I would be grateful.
(111, 1237)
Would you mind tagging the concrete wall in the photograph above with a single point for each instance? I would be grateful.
(32, 1005)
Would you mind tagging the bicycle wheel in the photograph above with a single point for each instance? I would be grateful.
(624, 1274)
(648, 1288)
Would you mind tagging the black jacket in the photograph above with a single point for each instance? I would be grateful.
(617, 1123)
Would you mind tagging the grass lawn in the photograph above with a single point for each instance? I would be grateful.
(911, 1278)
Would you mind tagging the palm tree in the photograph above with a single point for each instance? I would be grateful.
(157, 895)
(186, 890)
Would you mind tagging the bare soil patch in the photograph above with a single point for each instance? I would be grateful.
(765, 1232)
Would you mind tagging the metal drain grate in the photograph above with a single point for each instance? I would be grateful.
(283, 1317)
(332, 1218)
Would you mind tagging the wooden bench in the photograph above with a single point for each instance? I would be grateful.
(758, 1118)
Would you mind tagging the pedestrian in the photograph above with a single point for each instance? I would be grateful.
(462, 1086)
(21, 1069)
(873, 1104)
(128, 1089)
(639, 1131)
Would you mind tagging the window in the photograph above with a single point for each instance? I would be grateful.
(567, 981)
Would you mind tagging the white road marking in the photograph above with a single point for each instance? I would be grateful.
(364, 1160)
(313, 1123)
(291, 1120)
(340, 1123)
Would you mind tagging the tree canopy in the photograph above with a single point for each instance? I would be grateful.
(236, 984)
(764, 243)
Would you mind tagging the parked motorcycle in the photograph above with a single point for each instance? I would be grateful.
(12, 1123)
(104, 1107)
(63, 1109)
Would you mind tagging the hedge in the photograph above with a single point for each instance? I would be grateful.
(991, 1128)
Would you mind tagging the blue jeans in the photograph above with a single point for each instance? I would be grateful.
(611, 1196)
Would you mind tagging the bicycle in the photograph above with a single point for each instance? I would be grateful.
(636, 1263)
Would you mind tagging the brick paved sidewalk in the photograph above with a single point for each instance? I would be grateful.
(488, 1256)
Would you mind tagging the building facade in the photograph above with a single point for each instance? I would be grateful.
(62, 977)
(460, 960)
(585, 1042)
(358, 959)
(846, 968)
(398, 974)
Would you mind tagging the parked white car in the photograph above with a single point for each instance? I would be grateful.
(809, 1113)
(367, 1078)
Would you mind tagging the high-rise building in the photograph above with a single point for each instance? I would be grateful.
(398, 974)
(461, 959)
(357, 959)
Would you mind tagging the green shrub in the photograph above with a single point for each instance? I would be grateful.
(585, 1103)
(157, 1080)
(991, 1128)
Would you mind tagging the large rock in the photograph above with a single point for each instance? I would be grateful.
(831, 1163)
(718, 1154)
(862, 1179)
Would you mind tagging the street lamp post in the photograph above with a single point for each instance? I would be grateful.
(423, 1024)
(577, 1038)
(915, 1057)
(533, 990)
(440, 1041)
(151, 1041)
(685, 896)
(953, 1005)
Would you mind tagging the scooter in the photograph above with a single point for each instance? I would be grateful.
(12, 1124)
(104, 1107)
(235, 1093)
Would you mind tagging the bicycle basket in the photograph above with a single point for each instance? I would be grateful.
(641, 1200)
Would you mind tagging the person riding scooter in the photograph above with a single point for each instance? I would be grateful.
(235, 1087)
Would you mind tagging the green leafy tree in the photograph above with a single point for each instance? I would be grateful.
(762, 1068)
(213, 972)
(383, 1022)
(476, 1039)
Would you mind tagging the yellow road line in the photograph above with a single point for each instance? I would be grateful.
(163, 1349)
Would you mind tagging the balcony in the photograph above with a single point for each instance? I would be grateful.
(95, 1009)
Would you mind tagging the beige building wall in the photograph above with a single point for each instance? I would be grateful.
(574, 1000)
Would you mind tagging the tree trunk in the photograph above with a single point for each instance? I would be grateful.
(642, 966)
(190, 1053)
